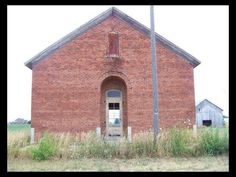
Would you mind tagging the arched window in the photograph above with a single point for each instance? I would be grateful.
(114, 93)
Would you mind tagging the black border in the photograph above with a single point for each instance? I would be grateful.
(3, 119)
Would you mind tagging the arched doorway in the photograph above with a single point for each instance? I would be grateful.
(113, 107)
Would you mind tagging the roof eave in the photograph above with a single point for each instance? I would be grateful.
(69, 37)
(206, 100)
(98, 19)
(191, 59)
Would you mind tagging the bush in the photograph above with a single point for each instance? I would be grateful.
(45, 148)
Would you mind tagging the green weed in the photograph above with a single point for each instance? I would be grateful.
(45, 149)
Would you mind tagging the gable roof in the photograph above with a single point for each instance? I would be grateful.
(208, 102)
(98, 19)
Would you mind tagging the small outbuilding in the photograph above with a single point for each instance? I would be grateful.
(208, 114)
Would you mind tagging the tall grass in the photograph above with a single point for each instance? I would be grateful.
(91, 146)
(214, 141)
(172, 142)
(17, 143)
(175, 142)
(143, 145)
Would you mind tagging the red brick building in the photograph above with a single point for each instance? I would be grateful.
(99, 75)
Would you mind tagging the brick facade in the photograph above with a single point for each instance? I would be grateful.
(68, 85)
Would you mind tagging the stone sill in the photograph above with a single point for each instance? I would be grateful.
(113, 57)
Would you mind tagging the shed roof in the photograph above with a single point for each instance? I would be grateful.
(208, 102)
(98, 19)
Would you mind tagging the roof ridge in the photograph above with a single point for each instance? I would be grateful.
(98, 19)
(209, 102)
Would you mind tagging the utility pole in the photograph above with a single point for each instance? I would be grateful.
(154, 75)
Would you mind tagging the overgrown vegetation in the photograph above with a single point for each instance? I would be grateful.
(213, 142)
(45, 149)
(17, 142)
(175, 142)
(172, 143)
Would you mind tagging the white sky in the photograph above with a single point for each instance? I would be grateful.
(202, 31)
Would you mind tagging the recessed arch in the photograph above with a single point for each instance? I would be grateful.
(113, 85)
(105, 75)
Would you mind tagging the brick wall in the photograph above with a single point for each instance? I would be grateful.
(66, 90)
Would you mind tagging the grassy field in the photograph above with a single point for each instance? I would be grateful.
(207, 163)
(18, 127)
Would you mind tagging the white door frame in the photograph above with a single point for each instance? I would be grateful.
(114, 100)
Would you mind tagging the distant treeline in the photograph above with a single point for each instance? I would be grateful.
(20, 121)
